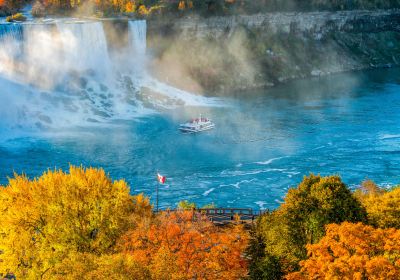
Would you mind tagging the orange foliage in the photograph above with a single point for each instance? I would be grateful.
(179, 245)
(130, 7)
(181, 5)
(353, 251)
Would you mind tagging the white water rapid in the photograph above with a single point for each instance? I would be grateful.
(64, 73)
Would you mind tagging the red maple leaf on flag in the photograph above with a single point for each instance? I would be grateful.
(160, 178)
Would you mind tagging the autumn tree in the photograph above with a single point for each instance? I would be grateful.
(181, 5)
(301, 219)
(130, 7)
(353, 251)
(383, 206)
(262, 265)
(48, 222)
(186, 205)
(183, 245)
(8, 7)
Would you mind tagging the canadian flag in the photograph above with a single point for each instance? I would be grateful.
(160, 178)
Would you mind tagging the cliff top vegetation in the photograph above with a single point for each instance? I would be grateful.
(186, 7)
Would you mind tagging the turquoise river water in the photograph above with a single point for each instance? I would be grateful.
(264, 143)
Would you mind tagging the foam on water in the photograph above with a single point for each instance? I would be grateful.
(389, 136)
(178, 97)
(267, 162)
(237, 184)
(261, 204)
(60, 74)
(206, 193)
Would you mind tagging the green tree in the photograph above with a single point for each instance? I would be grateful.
(186, 205)
(301, 219)
(209, 206)
(261, 264)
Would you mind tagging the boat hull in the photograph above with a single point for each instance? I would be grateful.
(195, 130)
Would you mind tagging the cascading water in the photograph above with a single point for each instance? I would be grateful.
(11, 30)
(170, 96)
(137, 36)
(84, 46)
(11, 36)
(62, 74)
(42, 51)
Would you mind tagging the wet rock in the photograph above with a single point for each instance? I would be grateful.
(100, 113)
(316, 73)
(92, 120)
(103, 87)
(83, 82)
(45, 119)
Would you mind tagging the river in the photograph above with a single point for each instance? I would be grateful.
(264, 142)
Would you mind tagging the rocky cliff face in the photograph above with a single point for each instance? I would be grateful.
(222, 54)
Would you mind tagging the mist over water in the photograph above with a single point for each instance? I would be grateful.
(264, 142)
(67, 73)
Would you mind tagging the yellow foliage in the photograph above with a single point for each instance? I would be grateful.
(155, 8)
(143, 10)
(82, 225)
(383, 207)
(49, 220)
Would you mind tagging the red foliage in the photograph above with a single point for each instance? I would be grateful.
(183, 246)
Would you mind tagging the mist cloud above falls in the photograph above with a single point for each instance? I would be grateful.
(73, 72)
(205, 64)
(60, 74)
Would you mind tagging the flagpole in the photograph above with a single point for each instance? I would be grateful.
(157, 196)
(161, 180)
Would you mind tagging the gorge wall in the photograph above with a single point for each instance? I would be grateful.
(224, 54)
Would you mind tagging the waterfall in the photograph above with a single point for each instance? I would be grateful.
(137, 36)
(11, 30)
(137, 39)
(84, 46)
(11, 36)
(62, 74)
(41, 51)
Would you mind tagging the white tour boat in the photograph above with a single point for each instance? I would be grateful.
(197, 125)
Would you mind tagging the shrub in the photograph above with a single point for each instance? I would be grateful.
(16, 17)
(186, 205)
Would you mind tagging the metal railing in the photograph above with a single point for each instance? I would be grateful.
(224, 215)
